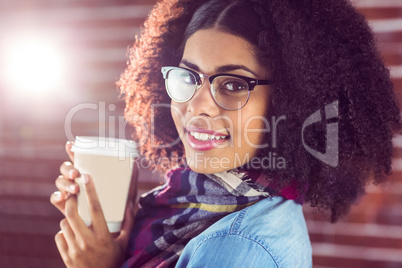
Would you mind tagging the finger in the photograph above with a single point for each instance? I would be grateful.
(131, 209)
(58, 200)
(95, 209)
(128, 223)
(68, 233)
(77, 225)
(69, 171)
(66, 186)
(69, 145)
(132, 193)
(62, 247)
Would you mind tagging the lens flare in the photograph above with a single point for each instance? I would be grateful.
(32, 65)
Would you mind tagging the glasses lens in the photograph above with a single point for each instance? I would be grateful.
(230, 92)
(180, 84)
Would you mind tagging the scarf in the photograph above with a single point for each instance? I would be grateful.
(186, 205)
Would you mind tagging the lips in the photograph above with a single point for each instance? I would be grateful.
(204, 139)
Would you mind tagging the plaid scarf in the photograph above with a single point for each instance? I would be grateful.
(186, 205)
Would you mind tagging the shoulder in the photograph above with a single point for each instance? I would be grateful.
(271, 233)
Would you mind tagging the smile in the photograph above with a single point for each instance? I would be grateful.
(206, 137)
(203, 139)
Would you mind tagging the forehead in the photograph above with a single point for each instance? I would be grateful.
(209, 49)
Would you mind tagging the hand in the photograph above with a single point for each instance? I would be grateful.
(79, 245)
(66, 182)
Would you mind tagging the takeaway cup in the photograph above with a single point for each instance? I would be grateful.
(109, 161)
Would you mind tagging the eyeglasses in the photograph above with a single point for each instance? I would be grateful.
(229, 91)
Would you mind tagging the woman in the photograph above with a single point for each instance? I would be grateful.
(246, 80)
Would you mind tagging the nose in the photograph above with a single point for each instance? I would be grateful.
(202, 102)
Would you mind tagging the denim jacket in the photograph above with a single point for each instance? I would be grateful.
(270, 233)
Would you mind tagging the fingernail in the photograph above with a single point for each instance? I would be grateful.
(85, 178)
(71, 173)
(68, 142)
(72, 188)
(57, 195)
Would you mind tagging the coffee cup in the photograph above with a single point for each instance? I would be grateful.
(109, 162)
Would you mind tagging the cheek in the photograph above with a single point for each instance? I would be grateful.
(177, 113)
(254, 127)
(252, 132)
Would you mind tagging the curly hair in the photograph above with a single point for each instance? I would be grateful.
(317, 52)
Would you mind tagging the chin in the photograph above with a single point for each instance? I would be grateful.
(202, 170)
(202, 165)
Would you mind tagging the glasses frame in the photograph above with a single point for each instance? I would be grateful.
(251, 82)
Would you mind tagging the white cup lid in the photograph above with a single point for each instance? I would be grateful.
(105, 146)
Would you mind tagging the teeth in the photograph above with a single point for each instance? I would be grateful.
(205, 136)
(196, 135)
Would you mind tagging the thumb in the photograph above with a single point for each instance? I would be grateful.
(128, 223)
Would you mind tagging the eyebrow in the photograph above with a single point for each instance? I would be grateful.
(220, 69)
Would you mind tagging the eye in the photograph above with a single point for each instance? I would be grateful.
(235, 86)
(230, 85)
(187, 78)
